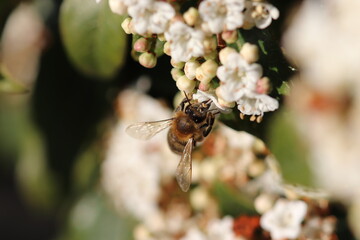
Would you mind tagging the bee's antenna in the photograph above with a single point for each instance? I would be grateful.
(187, 98)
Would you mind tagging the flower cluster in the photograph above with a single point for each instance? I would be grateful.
(203, 43)
(227, 161)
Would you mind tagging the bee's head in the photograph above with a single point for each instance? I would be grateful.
(197, 112)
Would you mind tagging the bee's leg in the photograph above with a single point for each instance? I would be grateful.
(181, 106)
(208, 125)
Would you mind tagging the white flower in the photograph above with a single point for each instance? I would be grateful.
(235, 75)
(284, 219)
(185, 42)
(97, 1)
(202, 96)
(238, 81)
(252, 103)
(215, 230)
(132, 170)
(131, 181)
(151, 16)
(221, 229)
(220, 15)
(120, 6)
(194, 234)
(260, 13)
(117, 6)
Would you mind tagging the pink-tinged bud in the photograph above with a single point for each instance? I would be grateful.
(190, 69)
(176, 64)
(263, 85)
(148, 60)
(141, 45)
(250, 52)
(185, 84)
(229, 36)
(176, 73)
(204, 86)
(167, 49)
(126, 25)
(191, 16)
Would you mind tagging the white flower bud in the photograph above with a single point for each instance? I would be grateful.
(126, 25)
(259, 147)
(190, 69)
(167, 49)
(155, 222)
(264, 202)
(117, 7)
(148, 60)
(199, 198)
(208, 170)
(229, 36)
(222, 102)
(161, 37)
(211, 55)
(250, 52)
(256, 168)
(185, 84)
(176, 73)
(134, 55)
(176, 64)
(201, 76)
(141, 232)
(209, 68)
(248, 25)
(191, 16)
(210, 44)
(224, 53)
(226, 104)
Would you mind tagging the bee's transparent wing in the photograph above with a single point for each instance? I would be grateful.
(183, 171)
(146, 130)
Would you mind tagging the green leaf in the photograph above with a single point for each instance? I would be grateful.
(9, 85)
(231, 201)
(93, 37)
(159, 48)
(284, 89)
(290, 150)
(92, 218)
(38, 184)
(272, 59)
(262, 47)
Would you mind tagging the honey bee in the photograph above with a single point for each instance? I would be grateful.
(191, 123)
